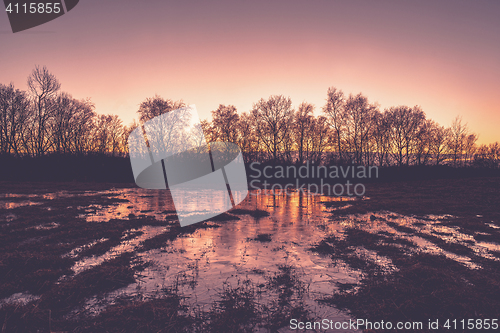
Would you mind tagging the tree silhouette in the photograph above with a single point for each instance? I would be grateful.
(43, 86)
(336, 118)
(224, 123)
(302, 130)
(273, 120)
(14, 115)
(44, 121)
(156, 106)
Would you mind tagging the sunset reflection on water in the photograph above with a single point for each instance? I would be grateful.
(199, 264)
(250, 244)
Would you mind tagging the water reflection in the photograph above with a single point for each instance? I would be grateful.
(254, 246)
(132, 203)
(12, 205)
(199, 264)
(129, 245)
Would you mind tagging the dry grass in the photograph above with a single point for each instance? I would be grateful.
(424, 286)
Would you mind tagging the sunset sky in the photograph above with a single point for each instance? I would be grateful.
(441, 55)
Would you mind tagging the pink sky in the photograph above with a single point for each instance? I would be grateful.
(442, 56)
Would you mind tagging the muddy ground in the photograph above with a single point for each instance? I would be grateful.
(424, 284)
(428, 238)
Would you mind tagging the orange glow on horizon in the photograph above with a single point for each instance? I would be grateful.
(394, 54)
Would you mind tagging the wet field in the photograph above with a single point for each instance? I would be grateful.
(106, 258)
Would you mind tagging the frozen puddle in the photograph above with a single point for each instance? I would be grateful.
(19, 299)
(15, 200)
(133, 202)
(11, 205)
(255, 249)
(415, 229)
(129, 245)
(199, 265)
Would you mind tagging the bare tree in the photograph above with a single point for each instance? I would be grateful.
(381, 137)
(169, 133)
(125, 134)
(82, 128)
(100, 134)
(248, 141)
(336, 117)
(71, 126)
(224, 123)
(208, 130)
(319, 139)
(423, 143)
(65, 108)
(360, 119)
(43, 86)
(273, 118)
(470, 147)
(405, 126)
(197, 135)
(156, 106)
(115, 129)
(14, 116)
(458, 136)
(487, 156)
(107, 134)
(302, 123)
(439, 137)
(493, 155)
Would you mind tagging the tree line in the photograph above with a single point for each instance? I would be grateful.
(349, 130)
(43, 120)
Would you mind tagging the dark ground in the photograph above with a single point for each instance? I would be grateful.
(424, 287)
